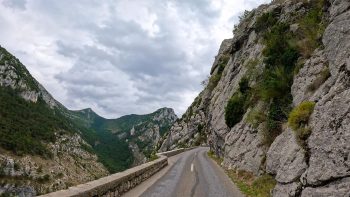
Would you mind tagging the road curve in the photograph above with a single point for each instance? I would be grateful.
(193, 173)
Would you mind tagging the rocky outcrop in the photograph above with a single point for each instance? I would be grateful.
(147, 135)
(321, 166)
(15, 75)
(243, 150)
(69, 165)
(285, 158)
(164, 116)
(335, 188)
(183, 132)
(287, 190)
(139, 157)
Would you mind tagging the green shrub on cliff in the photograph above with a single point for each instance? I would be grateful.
(282, 51)
(312, 27)
(265, 21)
(298, 120)
(299, 116)
(275, 85)
(244, 85)
(215, 78)
(238, 104)
(234, 110)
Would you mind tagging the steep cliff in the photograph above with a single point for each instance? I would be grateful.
(277, 101)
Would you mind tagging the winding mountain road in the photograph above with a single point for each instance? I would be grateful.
(191, 173)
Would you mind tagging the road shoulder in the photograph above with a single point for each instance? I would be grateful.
(141, 188)
(227, 180)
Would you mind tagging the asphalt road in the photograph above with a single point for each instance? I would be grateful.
(191, 173)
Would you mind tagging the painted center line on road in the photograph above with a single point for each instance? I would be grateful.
(192, 167)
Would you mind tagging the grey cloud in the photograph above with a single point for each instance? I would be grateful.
(198, 10)
(139, 53)
(116, 65)
(16, 4)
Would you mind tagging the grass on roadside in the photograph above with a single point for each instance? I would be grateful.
(249, 185)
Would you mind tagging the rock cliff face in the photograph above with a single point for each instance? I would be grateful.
(308, 42)
(32, 175)
(146, 135)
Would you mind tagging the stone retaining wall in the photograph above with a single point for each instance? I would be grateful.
(119, 183)
(174, 152)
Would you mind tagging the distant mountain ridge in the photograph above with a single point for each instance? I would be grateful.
(138, 132)
(123, 123)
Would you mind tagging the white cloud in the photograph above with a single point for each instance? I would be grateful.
(119, 57)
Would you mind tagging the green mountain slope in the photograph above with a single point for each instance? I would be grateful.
(27, 121)
(114, 139)
(26, 126)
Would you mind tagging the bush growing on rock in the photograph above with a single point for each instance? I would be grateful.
(312, 27)
(299, 119)
(276, 84)
(43, 179)
(255, 117)
(238, 104)
(283, 50)
(244, 85)
(234, 110)
(265, 21)
(214, 79)
(274, 88)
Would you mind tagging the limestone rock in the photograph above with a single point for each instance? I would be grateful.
(337, 188)
(335, 40)
(330, 122)
(224, 48)
(9, 168)
(328, 143)
(23, 191)
(139, 157)
(243, 149)
(285, 158)
(30, 96)
(312, 81)
(70, 163)
(338, 7)
(287, 190)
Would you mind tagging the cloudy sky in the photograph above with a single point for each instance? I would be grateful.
(119, 56)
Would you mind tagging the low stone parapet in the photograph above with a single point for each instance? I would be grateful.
(119, 183)
(174, 152)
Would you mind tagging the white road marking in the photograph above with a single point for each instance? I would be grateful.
(192, 167)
